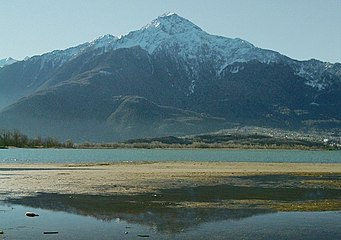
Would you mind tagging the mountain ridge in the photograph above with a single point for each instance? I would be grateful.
(7, 61)
(109, 42)
(172, 63)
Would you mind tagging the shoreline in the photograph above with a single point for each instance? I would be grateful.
(208, 147)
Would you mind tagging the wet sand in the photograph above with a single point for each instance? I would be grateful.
(18, 180)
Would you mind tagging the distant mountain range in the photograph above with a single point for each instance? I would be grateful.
(6, 61)
(168, 78)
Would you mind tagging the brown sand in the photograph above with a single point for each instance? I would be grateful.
(129, 178)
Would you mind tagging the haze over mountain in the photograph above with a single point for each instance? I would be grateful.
(167, 78)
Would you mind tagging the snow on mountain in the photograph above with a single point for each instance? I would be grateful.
(187, 41)
(190, 45)
(105, 42)
(179, 37)
(58, 57)
(317, 74)
(6, 61)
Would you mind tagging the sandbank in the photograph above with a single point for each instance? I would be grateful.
(17, 180)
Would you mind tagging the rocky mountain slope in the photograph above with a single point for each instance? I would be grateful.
(165, 75)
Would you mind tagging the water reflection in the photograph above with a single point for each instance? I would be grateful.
(164, 211)
(162, 216)
(288, 225)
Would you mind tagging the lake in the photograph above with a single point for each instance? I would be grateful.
(142, 217)
(120, 155)
(201, 224)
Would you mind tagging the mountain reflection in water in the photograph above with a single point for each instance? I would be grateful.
(166, 211)
(161, 216)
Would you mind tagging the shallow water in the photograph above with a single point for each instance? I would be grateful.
(220, 224)
(161, 215)
(119, 155)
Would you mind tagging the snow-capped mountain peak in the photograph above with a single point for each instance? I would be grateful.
(172, 23)
(7, 61)
(190, 46)
(188, 41)
(103, 41)
(167, 28)
(174, 33)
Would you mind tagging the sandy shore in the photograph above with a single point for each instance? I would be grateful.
(129, 178)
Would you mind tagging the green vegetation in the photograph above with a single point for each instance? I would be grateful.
(16, 139)
(229, 141)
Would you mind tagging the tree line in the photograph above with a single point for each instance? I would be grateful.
(15, 138)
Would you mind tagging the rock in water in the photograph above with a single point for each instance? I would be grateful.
(143, 235)
(49, 232)
(31, 214)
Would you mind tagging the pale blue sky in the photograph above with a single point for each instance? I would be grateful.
(300, 29)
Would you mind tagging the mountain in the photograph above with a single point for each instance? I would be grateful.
(168, 78)
(6, 61)
(136, 116)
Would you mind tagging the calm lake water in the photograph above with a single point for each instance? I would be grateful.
(119, 155)
(282, 225)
